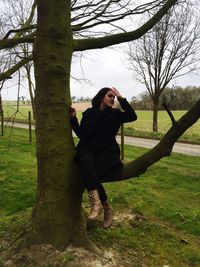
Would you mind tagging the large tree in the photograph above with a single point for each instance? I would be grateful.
(169, 50)
(62, 28)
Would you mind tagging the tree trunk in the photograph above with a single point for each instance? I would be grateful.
(155, 114)
(57, 216)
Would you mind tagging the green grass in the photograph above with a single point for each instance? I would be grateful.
(17, 172)
(144, 121)
(164, 201)
(143, 126)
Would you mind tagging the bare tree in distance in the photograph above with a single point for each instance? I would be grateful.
(19, 14)
(169, 50)
(57, 216)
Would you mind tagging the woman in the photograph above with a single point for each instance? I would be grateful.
(97, 150)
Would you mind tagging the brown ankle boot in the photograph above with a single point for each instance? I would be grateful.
(108, 215)
(96, 205)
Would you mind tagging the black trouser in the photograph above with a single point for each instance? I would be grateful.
(89, 174)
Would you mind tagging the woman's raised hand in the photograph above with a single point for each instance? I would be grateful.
(117, 93)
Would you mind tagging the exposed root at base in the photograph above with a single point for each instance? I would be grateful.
(88, 245)
(23, 239)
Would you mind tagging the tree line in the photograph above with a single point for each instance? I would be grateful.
(177, 98)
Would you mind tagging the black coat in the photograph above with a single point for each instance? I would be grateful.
(97, 131)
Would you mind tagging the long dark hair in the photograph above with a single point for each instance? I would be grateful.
(96, 101)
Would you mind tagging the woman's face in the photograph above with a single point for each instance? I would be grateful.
(108, 99)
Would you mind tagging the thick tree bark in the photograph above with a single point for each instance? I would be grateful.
(57, 216)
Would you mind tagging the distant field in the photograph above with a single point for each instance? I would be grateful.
(143, 123)
(12, 111)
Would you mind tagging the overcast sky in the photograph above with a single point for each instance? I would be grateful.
(109, 67)
(102, 67)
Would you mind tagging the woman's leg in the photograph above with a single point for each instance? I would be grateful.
(102, 193)
(108, 210)
(86, 162)
(93, 185)
(95, 190)
(89, 175)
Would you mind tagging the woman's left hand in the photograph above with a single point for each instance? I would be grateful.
(117, 93)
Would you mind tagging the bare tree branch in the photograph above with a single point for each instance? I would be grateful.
(10, 43)
(24, 29)
(164, 104)
(92, 43)
(105, 12)
(7, 74)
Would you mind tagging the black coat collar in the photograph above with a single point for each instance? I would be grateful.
(95, 112)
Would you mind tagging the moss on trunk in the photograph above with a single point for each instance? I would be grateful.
(57, 216)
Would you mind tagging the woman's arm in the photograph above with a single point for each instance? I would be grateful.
(74, 121)
(88, 124)
(75, 125)
(128, 114)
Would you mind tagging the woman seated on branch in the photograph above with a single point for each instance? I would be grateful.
(97, 150)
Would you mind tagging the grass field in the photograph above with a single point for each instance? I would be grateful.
(143, 123)
(157, 216)
(11, 111)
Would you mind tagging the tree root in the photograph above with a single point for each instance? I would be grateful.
(27, 238)
(88, 245)
(23, 239)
